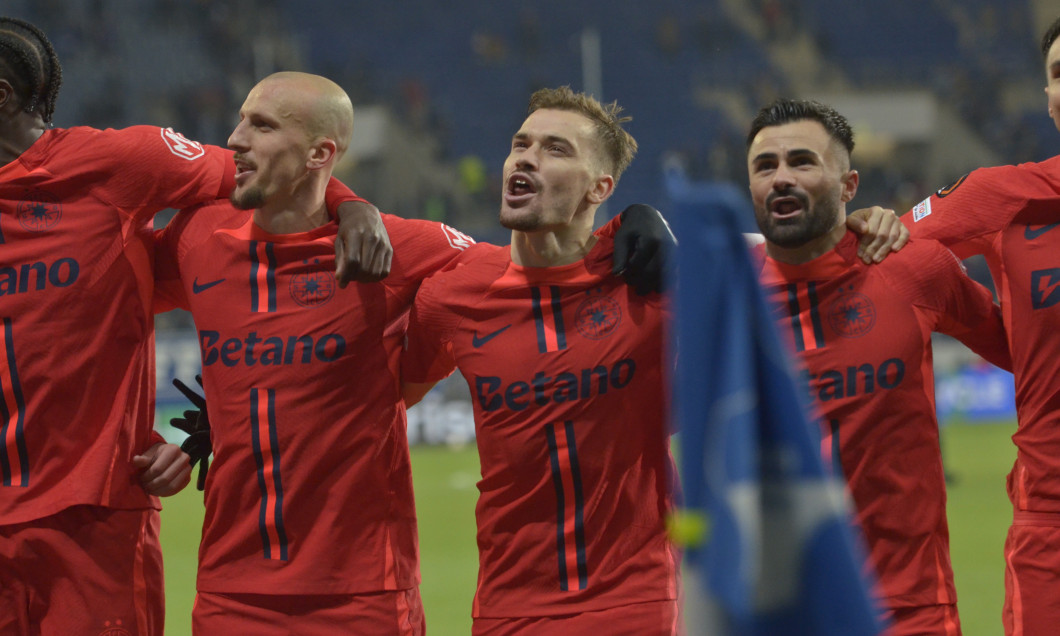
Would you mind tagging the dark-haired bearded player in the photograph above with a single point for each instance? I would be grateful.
(79, 461)
(863, 337)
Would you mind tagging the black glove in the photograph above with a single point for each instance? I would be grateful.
(197, 425)
(643, 243)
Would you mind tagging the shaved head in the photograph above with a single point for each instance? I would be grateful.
(317, 103)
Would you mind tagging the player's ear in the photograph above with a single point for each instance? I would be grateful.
(849, 181)
(7, 94)
(321, 153)
(601, 189)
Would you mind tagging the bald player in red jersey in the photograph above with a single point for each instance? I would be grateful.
(79, 462)
(1010, 215)
(565, 367)
(310, 520)
(863, 337)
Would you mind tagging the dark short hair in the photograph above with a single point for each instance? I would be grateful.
(29, 62)
(1050, 36)
(786, 111)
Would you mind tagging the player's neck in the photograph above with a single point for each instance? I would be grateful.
(303, 210)
(552, 248)
(814, 248)
(18, 135)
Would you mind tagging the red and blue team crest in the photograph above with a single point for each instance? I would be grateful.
(852, 315)
(40, 211)
(598, 315)
(312, 289)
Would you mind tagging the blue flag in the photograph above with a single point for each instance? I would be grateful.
(779, 556)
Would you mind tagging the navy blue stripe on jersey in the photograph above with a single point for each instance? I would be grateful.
(270, 275)
(539, 320)
(793, 311)
(561, 505)
(557, 316)
(262, 271)
(815, 316)
(837, 460)
(570, 529)
(259, 459)
(13, 442)
(551, 334)
(579, 506)
(270, 514)
(277, 482)
(254, 266)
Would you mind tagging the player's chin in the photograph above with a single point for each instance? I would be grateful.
(521, 220)
(247, 197)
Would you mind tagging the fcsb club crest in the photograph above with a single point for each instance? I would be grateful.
(312, 289)
(598, 316)
(852, 315)
(40, 211)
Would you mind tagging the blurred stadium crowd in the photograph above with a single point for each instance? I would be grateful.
(437, 84)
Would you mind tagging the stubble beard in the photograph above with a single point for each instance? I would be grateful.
(521, 220)
(251, 198)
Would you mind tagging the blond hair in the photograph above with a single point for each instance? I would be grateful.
(618, 145)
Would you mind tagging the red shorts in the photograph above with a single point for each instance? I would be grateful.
(86, 570)
(398, 613)
(658, 618)
(923, 620)
(1032, 582)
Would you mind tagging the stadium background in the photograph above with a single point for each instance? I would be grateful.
(934, 88)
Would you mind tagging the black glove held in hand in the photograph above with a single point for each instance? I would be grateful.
(643, 243)
(197, 425)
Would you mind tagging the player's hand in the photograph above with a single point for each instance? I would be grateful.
(165, 469)
(362, 247)
(881, 231)
(196, 423)
(643, 243)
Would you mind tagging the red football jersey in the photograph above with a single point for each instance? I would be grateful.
(77, 367)
(309, 490)
(863, 336)
(1010, 215)
(565, 367)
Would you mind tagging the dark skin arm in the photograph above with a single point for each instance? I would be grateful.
(362, 248)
